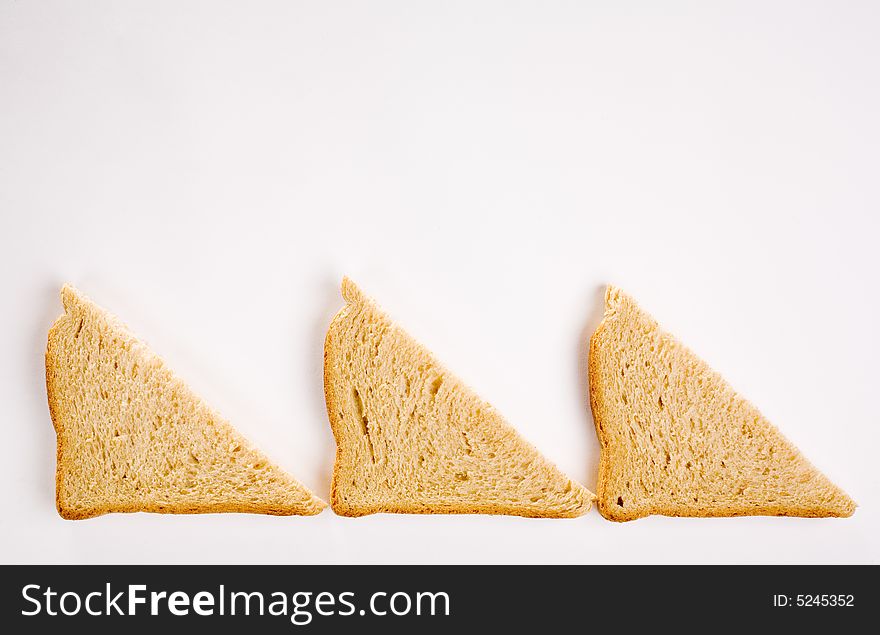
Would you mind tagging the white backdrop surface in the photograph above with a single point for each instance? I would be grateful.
(209, 170)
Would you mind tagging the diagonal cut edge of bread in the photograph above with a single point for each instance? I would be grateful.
(133, 437)
(412, 438)
(677, 440)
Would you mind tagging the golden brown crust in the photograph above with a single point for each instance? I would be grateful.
(349, 511)
(335, 426)
(80, 514)
(56, 422)
(597, 406)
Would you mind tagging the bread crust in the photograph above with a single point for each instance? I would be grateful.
(597, 405)
(56, 424)
(610, 510)
(340, 507)
(73, 512)
(336, 503)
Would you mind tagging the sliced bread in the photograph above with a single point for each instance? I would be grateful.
(677, 440)
(412, 438)
(133, 437)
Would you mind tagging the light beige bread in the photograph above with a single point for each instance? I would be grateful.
(412, 438)
(133, 437)
(677, 440)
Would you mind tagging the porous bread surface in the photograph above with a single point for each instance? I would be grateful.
(677, 440)
(133, 437)
(412, 438)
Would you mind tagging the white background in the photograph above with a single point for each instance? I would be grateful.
(209, 170)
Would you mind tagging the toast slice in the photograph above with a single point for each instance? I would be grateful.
(133, 437)
(412, 438)
(677, 440)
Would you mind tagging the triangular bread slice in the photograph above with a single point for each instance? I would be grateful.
(412, 438)
(133, 437)
(677, 440)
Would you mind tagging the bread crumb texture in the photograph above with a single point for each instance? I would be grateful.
(133, 437)
(412, 438)
(677, 440)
